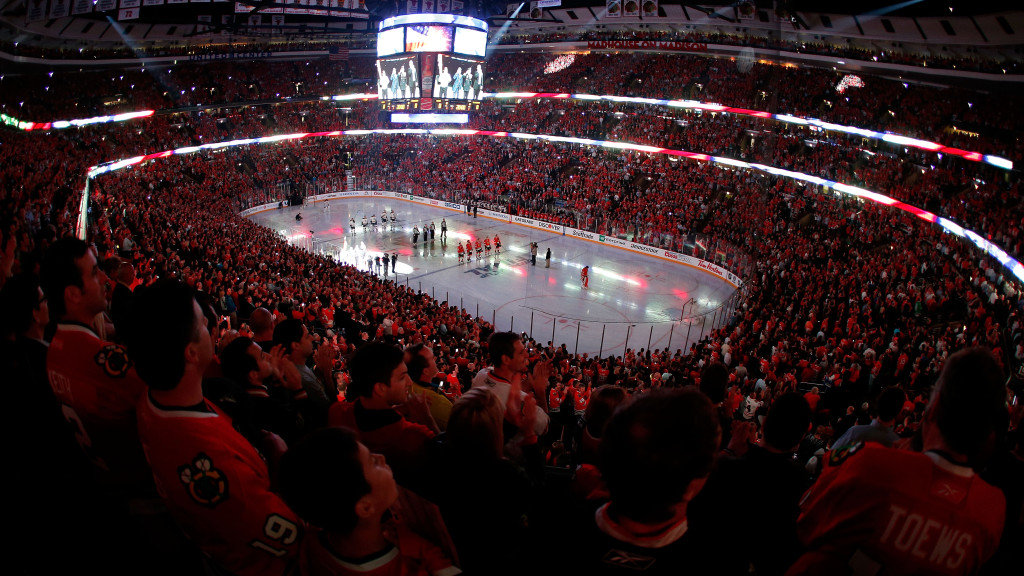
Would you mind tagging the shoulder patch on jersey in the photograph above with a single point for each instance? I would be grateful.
(839, 455)
(205, 484)
(114, 360)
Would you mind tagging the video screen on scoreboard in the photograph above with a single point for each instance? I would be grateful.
(457, 79)
(391, 42)
(470, 42)
(428, 38)
(398, 79)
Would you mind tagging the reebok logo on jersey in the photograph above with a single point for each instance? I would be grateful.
(623, 559)
(205, 484)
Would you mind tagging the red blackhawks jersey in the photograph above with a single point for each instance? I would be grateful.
(98, 390)
(217, 488)
(409, 555)
(877, 510)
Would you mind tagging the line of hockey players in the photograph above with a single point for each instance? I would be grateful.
(483, 248)
(385, 218)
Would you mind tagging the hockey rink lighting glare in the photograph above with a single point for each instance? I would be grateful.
(61, 124)
(889, 137)
(986, 246)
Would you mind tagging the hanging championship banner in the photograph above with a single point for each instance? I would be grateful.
(36, 11)
(650, 8)
(631, 8)
(81, 7)
(128, 14)
(106, 5)
(613, 9)
(131, 3)
(152, 2)
(59, 8)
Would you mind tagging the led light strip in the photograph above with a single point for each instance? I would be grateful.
(61, 124)
(828, 126)
(986, 246)
(889, 137)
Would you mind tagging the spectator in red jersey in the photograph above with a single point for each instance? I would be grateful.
(380, 384)
(95, 381)
(929, 513)
(214, 483)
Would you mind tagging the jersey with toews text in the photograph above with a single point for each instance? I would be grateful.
(217, 488)
(98, 391)
(877, 510)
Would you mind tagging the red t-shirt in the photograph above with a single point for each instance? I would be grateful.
(889, 511)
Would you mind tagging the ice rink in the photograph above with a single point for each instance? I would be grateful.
(633, 301)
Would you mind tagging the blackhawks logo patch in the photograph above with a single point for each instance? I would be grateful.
(114, 360)
(841, 454)
(205, 484)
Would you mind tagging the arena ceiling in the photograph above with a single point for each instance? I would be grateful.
(335, 20)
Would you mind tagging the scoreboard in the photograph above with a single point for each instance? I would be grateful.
(431, 64)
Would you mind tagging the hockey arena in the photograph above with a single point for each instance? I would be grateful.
(599, 287)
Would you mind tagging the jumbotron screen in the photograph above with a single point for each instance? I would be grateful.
(431, 63)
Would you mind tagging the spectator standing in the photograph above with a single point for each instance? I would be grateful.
(768, 539)
(121, 300)
(656, 454)
(510, 360)
(262, 323)
(380, 384)
(298, 343)
(215, 484)
(890, 404)
(929, 513)
(495, 539)
(94, 381)
(422, 365)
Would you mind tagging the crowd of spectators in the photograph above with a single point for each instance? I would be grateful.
(842, 300)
